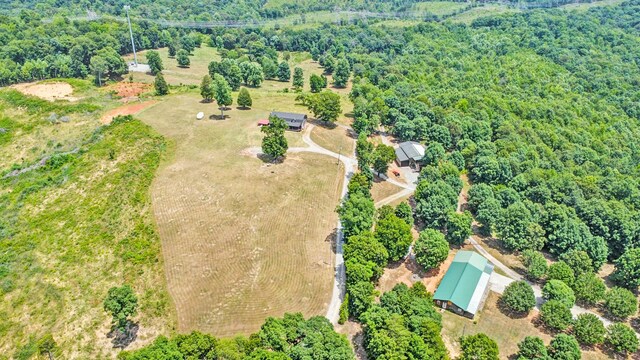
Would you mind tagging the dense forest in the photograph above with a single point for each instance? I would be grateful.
(226, 10)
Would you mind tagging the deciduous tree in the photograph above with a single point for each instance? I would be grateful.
(478, 346)
(458, 227)
(274, 143)
(620, 303)
(383, 155)
(627, 272)
(121, 303)
(182, 57)
(298, 78)
(395, 235)
(564, 347)
(154, 62)
(589, 289)
(558, 290)
(342, 73)
(284, 71)
(556, 315)
(621, 338)
(588, 329)
(222, 93)
(206, 88)
(519, 297)
(431, 249)
(532, 348)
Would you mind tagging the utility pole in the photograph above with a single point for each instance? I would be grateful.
(133, 45)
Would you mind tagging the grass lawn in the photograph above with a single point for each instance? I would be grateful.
(506, 331)
(439, 8)
(242, 239)
(337, 139)
(586, 6)
(382, 189)
(175, 75)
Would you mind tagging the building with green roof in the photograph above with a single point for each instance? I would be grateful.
(464, 286)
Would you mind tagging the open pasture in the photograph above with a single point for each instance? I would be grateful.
(242, 239)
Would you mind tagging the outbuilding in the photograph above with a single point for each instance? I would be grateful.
(409, 153)
(464, 287)
(295, 122)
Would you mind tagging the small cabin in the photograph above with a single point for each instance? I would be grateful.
(295, 122)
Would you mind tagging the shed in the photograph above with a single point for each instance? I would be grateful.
(409, 153)
(295, 121)
(263, 122)
(464, 287)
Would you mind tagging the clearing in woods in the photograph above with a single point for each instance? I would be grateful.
(50, 91)
(242, 239)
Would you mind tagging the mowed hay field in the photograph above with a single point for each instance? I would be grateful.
(242, 239)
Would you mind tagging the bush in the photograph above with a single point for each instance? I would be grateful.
(589, 289)
(620, 303)
(519, 297)
(579, 261)
(564, 347)
(344, 310)
(589, 329)
(561, 271)
(535, 264)
(621, 338)
(556, 315)
(558, 290)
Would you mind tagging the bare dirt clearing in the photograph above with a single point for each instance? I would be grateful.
(50, 91)
(129, 91)
(125, 110)
(242, 239)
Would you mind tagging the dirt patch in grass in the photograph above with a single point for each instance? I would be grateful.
(125, 110)
(129, 91)
(50, 91)
(242, 239)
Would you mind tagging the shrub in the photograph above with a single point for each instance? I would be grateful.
(620, 303)
(519, 297)
(589, 329)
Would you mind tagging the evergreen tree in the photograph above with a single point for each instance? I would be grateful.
(284, 71)
(161, 86)
(206, 88)
(244, 98)
(298, 78)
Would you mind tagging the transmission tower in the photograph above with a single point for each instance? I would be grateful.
(133, 45)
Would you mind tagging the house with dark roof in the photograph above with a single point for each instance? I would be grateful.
(295, 121)
(464, 287)
(409, 153)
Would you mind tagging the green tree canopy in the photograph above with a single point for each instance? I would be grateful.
(561, 271)
(222, 93)
(298, 78)
(154, 62)
(535, 264)
(478, 346)
(284, 71)
(395, 234)
(627, 272)
(182, 57)
(589, 329)
(160, 85)
(206, 88)
(532, 348)
(431, 249)
(621, 338)
(458, 227)
(519, 297)
(122, 303)
(244, 98)
(558, 290)
(274, 143)
(564, 347)
(356, 214)
(620, 303)
(556, 315)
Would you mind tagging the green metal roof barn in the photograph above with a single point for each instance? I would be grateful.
(463, 287)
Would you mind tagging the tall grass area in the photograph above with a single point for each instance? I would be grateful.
(73, 225)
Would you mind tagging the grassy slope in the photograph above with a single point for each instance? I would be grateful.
(74, 228)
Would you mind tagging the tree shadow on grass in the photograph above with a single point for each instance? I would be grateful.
(121, 339)
(205, 101)
(218, 117)
(323, 124)
(268, 159)
(333, 239)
